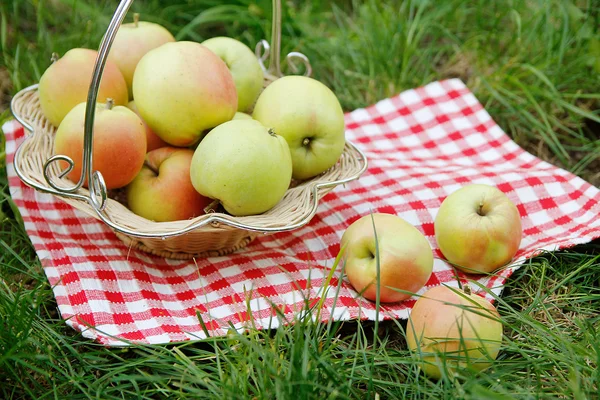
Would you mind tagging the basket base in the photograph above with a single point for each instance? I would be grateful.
(134, 243)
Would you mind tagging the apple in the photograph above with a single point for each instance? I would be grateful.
(163, 191)
(478, 228)
(181, 89)
(405, 257)
(67, 80)
(132, 41)
(243, 64)
(241, 115)
(310, 118)
(153, 141)
(119, 143)
(244, 165)
(449, 329)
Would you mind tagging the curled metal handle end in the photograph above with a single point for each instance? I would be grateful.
(262, 51)
(98, 192)
(65, 172)
(305, 61)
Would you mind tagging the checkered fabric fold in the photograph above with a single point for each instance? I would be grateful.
(422, 145)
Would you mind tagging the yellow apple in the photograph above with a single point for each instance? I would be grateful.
(66, 83)
(478, 228)
(153, 141)
(132, 41)
(163, 190)
(119, 143)
(450, 329)
(181, 89)
(405, 257)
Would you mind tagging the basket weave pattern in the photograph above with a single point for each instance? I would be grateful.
(208, 240)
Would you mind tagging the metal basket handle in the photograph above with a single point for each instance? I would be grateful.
(96, 185)
(97, 197)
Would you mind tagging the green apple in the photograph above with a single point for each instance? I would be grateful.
(244, 67)
(119, 143)
(405, 257)
(132, 41)
(241, 115)
(244, 165)
(310, 118)
(450, 329)
(478, 228)
(181, 89)
(66, 83)
(163, 190)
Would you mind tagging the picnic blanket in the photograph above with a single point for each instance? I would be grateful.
(422, 145)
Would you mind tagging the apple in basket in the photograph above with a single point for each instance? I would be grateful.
(405, 257)
(243, 64)
(132, 42)
(153, 141)
(241, 115)
(450, 328)
(310, 118)
(181, 89)
(163, 191)
(66, 83)
(119, 143)
(478, 228)
(244, 165)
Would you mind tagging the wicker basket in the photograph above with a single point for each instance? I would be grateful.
(215, 233)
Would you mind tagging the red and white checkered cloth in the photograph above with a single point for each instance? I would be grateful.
(422, 145)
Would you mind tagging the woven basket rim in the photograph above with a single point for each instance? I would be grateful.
(296, 209)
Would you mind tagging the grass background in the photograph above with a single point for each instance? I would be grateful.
(534, 64)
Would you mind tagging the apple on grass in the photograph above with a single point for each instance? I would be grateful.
(181, 89)
(132, 42)
(478, 228)
(243, 64)
(450, 329)
(163, 191)
(152, 139)
(405, 257)
(66, 83)
(244, 165)
(119, 143)
(310, 118)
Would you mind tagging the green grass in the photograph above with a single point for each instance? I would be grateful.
(535, 65)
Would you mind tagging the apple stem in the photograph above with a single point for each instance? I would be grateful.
(151, 167)
(467, 290)
(306, 142)
(136, 19)
(480, 211)
(109, 103)
(212, 207)
(54, 58)
(272, 132)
